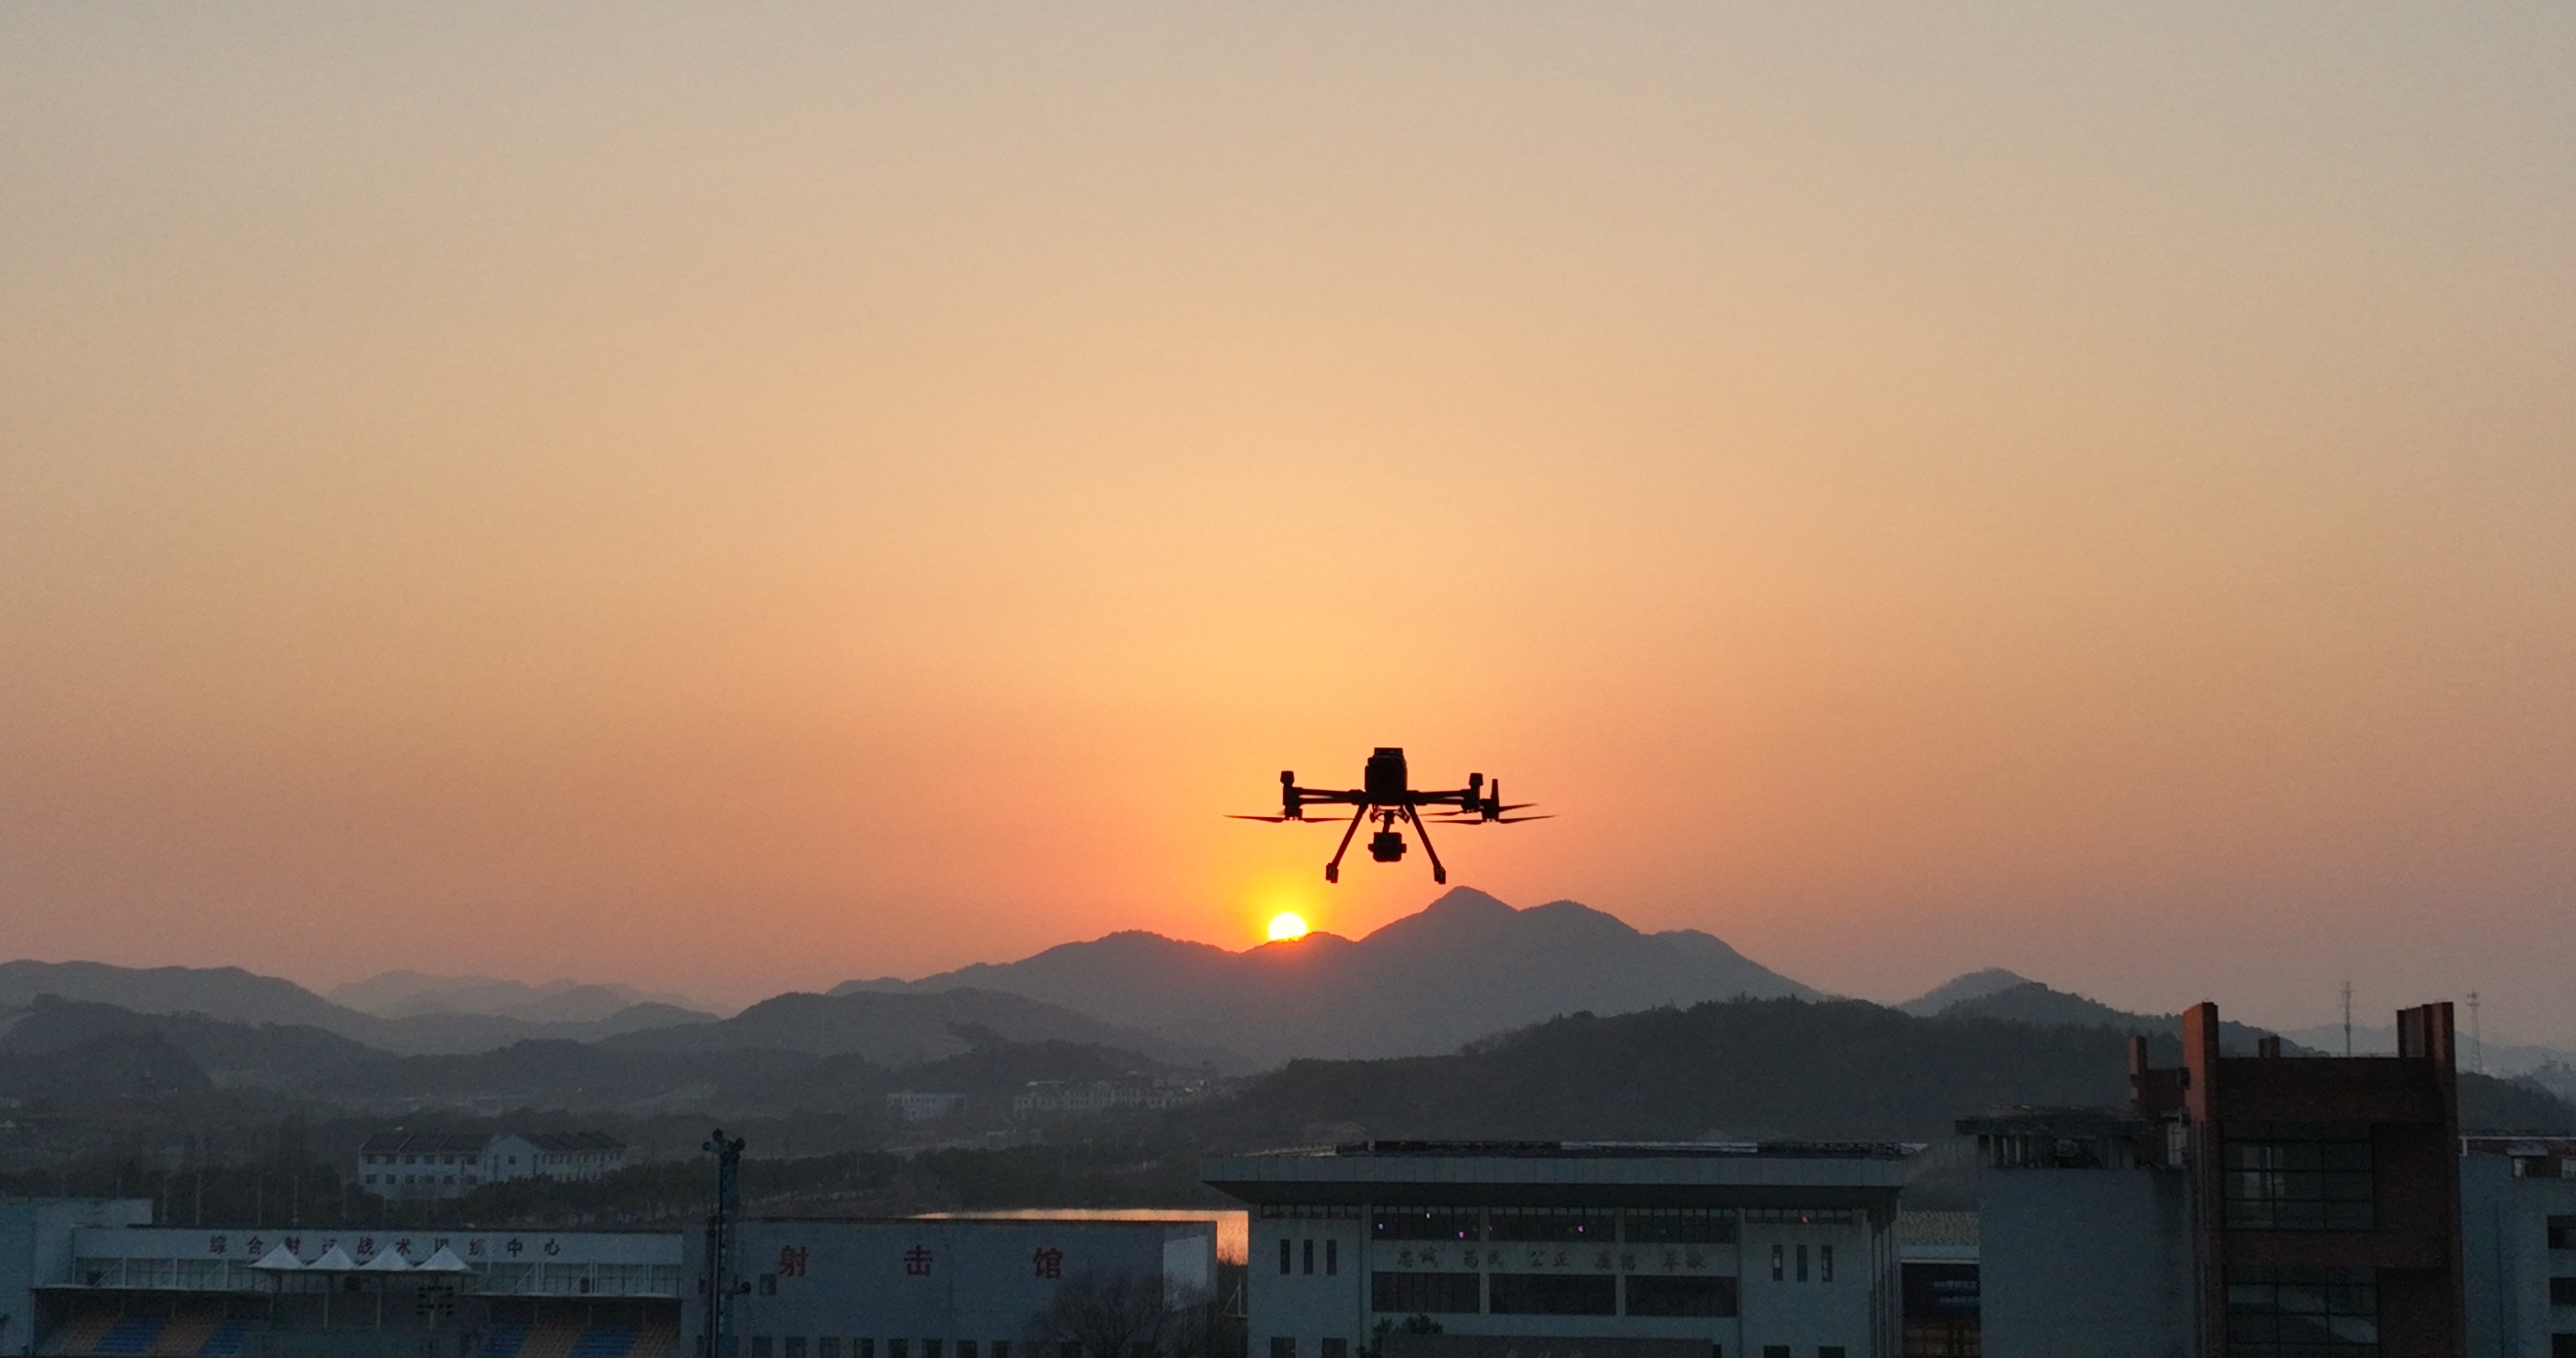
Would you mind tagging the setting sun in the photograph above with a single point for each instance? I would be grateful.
(1287, 924)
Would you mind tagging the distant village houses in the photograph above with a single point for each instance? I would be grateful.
(445, 1165)
(1061, 1098)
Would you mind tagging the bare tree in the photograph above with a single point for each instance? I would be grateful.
(1122, 1315)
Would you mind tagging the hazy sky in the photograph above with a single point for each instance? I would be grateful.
(738, 497)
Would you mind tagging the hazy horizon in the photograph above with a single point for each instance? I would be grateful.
(738, 500)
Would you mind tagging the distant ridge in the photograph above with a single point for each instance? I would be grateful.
(1467, 966)
(1975, 985)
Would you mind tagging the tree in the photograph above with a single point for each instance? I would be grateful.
(1122, 1315)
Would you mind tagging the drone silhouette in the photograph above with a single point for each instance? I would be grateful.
(1386, 794)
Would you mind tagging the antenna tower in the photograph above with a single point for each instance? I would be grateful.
(2477, 1039)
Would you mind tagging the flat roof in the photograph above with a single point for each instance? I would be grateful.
(1599, 1173)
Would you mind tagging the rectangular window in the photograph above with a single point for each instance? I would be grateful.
(827, 1346)
(2562, 1346)
(863, 1348)
(1284, 1255)
(2302, 1313)
(930, 1348)
(1680, 1226)
(1332, 1261)
(1829, 1351)
(2562, 1233)
(1336, 1347)
(2298, 1176)
(1555, 1294)
(1779, 1268)
(1652, 1296)
(895, 1348)
(1824, 1263)
(1423, 1223)
(793, 1348)
(1427, 1294)
(1802, 1267)
(965, 1348)
(1775, 1351)
(762, 1346)
(1283, 1346)
(1310, 1257)
(1566, 1225)
(1001, 1348)
(2562, 1291)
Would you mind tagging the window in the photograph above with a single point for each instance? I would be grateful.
(1429, 1294)
(1283, 1346)
(1555, 1294)
(762, 1346)
(1802, 1263)
(1332, 1264)
(1001, 1348)
(828, 1346)
(1824, 1263)
(1284, 1248)
(1652, 1296)
(1775, 1351)
(1336, 1347)
(1779, 1269)
(2302, 1313)
(1310, 1256)
(2562, 1233)
(1684, 1226)
(1423, 1223)
(863, 1348)
(2298, 1176)
(793, 1348)
(1829, 1351)
(371, 1178)
(2562, 1291)
(1571, 1224)
(930, 1348)
(895, 1347)
(769, 1288)
(2562, 1346)
(965, 1348)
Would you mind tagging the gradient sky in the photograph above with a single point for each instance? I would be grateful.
(739, 497)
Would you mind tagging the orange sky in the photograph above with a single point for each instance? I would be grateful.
(732, 498)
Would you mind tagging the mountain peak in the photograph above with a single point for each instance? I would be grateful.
(1974, 985)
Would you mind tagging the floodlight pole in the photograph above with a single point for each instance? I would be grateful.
(718, 1285)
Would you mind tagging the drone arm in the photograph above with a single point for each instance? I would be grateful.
(1333, 870)
(1439, 874)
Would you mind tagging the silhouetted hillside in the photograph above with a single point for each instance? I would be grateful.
(1465, 967)
(904, 1029)
(2031, 1002)
(1842, 1069)
(1968, 986)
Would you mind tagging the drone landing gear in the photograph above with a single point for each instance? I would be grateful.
(1333, 870)
(1439, 874)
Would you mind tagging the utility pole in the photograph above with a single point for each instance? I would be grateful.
(2477, 1038)
(719, 1285)
(2347, 1018)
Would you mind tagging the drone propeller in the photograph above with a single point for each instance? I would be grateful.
(1298, 820)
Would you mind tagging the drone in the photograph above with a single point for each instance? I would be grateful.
(1386, 795)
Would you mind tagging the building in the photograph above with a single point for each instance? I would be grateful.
(1060, 1098)
(445, 1165)
(917, 1106)
(2259, 1206)
(1771, 1250)
(36, 1251)
(2518, 1219)
(1936, 1256)
(943, 1288)
(103, 1286)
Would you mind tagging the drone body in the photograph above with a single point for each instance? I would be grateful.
(1386, 794)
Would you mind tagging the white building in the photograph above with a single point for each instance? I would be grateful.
(403, 1165)
(1078, 1098)
(1775, 1250)
(918, 1106)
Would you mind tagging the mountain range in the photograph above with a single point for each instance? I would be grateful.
(1465, 967)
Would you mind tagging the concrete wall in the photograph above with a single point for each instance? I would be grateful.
(2096, 1262)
